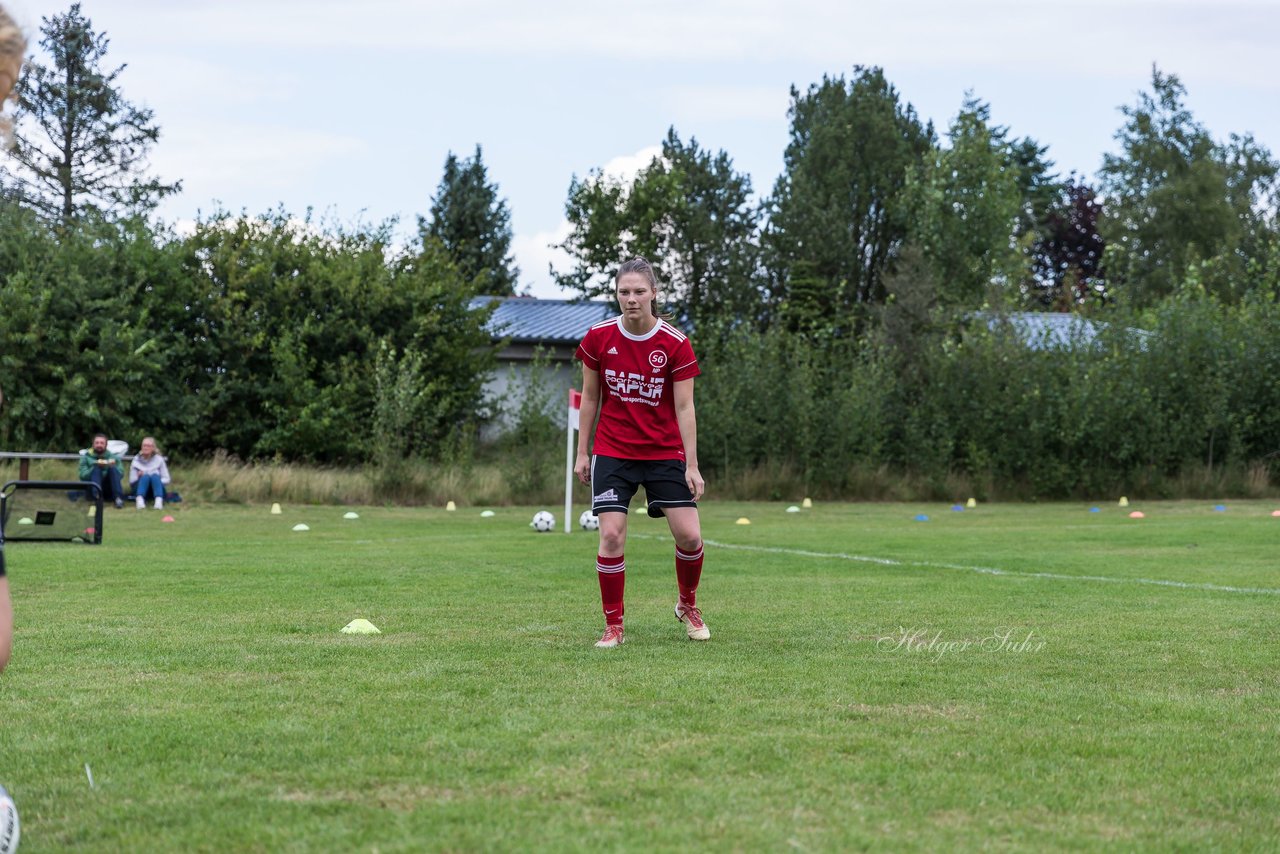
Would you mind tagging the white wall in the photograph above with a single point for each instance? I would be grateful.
(510, 380)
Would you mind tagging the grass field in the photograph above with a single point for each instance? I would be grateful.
(871, 682)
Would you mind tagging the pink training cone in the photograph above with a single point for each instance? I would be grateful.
(167, 519)
(1137, 514)
(1275, 512)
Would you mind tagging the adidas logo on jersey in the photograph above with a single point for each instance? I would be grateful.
(613, 351)
(607, 495)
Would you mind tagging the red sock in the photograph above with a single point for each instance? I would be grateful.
(688, 572)
(612, 572)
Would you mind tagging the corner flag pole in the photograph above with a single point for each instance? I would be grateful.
(572, 423)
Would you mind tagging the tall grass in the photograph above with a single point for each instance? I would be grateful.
(226, 480)
(416, 483)
(502, 478)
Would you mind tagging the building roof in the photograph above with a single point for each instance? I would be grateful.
(1043, 330)
(528, 320)
(1049, 330)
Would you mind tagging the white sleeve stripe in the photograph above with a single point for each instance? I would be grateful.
(685, 365)
(672, 331)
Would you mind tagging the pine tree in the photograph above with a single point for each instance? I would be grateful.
(79, 145)
(474, 225)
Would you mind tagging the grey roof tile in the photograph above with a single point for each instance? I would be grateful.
(532, 320)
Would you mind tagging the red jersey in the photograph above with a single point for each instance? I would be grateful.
(637, 378)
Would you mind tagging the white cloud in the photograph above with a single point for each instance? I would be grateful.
(535, 254)
(625, 167)
(1092, 37)
(355, 104)
(693, 102)
(220, 161)
(175, 81)
(1095, 36)
(664, 28)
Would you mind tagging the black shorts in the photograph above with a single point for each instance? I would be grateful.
(614, 481)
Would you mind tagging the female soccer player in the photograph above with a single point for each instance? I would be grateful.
(637, 372)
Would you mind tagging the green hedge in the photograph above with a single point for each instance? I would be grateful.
(1191, 385)
(265, 337)
(271, 338)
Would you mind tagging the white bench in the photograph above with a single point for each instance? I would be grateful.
(24, 460)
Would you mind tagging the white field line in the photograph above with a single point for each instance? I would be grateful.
(885, 561)
(989, 570)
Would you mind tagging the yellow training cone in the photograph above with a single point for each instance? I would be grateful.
(971, 503)
(351, 514)
(451, 507)
(360, 627)
(275, 510)
(301, 526)
(92, 512)
(744, 521)
(807, 504)
(1124, 502)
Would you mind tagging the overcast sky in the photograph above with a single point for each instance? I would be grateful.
(351, 107)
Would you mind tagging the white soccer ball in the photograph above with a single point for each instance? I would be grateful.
(589, 521)
(9, 831)
(542, 522)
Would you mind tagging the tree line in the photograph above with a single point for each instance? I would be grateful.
(849, 309)
(866, 182)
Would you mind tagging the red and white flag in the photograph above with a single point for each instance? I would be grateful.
(572, 422)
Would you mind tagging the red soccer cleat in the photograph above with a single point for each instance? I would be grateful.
(612, 637)
(692, 619)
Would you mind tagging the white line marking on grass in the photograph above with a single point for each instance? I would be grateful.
(989, 570)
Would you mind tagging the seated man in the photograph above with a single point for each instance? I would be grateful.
(102, 467)
(149, 474)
